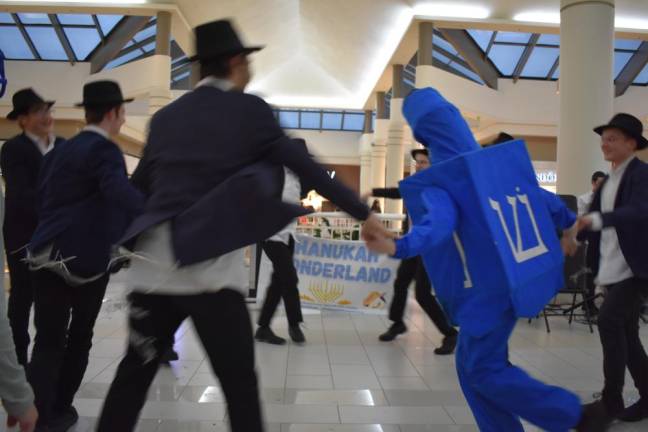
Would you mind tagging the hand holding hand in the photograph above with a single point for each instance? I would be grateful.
(583, 223)
(569, 245)
(373, 228)
(382, 245)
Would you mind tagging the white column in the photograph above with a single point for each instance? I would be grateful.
(379, 145)
(395, 138)
(378, 153)
(395, 153)
(586, 89)
(163, 33)
(365, 162)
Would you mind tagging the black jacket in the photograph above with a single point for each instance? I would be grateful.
(392, 193)
(21, 162)
(213, 166)
(85, 202)
(629, 218)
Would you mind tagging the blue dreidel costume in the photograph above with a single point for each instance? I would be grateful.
(488, 237)
(3, 77)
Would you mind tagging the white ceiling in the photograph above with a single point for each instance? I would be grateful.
(331, 53)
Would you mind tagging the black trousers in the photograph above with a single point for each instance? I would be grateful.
(283, 284)
(20, 302)
(412, 269)
(618, 325)
(223, 325)
(65, 317)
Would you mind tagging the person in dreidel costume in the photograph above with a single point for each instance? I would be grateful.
(487, 235)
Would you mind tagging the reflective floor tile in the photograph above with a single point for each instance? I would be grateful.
(395, 415)
(335, 397)
(425, 398)
(338, 428)
(301, 413)
(309, 382)
(403, 383)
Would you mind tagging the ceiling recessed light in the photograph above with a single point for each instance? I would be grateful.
(451, 10)
(105, 2)
(631, 23)
(539, 17)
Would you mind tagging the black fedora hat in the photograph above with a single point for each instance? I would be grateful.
(219, 39)
(629, 124)
(102, 93)
(423, 152)
(24, 100)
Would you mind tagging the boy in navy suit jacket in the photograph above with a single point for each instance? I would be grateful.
(85, 204)
(617, 230)
(21, 161)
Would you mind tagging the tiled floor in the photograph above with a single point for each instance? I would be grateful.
(343, 379)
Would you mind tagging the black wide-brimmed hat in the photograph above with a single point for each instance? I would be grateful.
(219, 39)
(419, 151)
(629, 124)
(24, 100)
(102, 93)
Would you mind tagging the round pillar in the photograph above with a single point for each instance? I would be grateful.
(395, 153)
(586, 89)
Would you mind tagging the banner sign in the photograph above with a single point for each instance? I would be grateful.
(339, 274)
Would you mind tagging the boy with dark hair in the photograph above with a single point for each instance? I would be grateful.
(85, 204)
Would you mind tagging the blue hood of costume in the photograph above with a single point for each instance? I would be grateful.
(3, 78)
(438, 125)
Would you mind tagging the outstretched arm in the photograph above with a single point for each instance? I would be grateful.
(564, 219)
(436, 227)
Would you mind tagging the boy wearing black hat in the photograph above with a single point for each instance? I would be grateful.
(280, 249)
(20, 161)
(412, 269)
(85, 203)
(617, 230)
(212, 171)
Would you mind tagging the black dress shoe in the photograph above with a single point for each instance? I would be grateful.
(595, 418)
(635, 413)
(169, 356)
(296, 334)
(393, 331)
(64, 420)
(265, 334)
(447, 346)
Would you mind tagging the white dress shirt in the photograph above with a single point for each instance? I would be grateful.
(43, 146)
(584, 201)
(291, 193)
(96, 129)
(613, 267)
(154, 269)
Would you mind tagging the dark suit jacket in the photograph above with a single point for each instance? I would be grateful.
(629, 217)
(392, 193)
(85, 202)
(21, 162)
(213, 165)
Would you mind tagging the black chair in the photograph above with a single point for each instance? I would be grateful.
(576, 274)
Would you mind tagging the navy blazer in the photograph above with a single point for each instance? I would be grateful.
(20, 161)
(629, 218)
(85, 202)
(213, 165)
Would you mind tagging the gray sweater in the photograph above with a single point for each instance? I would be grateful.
(15, 392)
